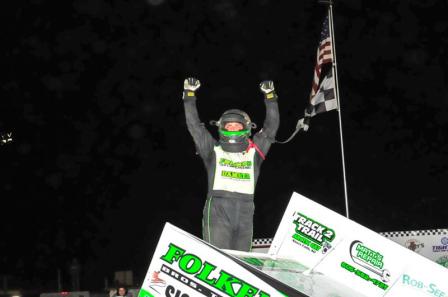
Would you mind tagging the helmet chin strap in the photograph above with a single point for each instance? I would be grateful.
(236, 147)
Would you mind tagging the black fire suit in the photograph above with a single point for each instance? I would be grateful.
(228, 213)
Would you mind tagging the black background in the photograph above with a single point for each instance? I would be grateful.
(101, 157)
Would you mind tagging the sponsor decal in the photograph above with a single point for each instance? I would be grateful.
(363, 275)
(235, 175)
(414, 245)
(311, 234)
(443, 261)
(197, 274)
(232, 164)
(430, 288)
(370, 260)
(156, 280)
(441, 248)
(187, 281)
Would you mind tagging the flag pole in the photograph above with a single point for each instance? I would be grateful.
(336, 87)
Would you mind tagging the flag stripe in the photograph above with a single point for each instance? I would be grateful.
(322, 96)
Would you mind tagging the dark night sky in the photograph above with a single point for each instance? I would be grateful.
(101, 157)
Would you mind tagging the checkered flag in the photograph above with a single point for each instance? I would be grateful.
(324, 100)
(322, 96)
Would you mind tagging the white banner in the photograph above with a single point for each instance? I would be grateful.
(185, 266)
(431, 244)
(349, 254)
(308, 231)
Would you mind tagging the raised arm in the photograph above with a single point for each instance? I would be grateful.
(201, 136)
(266, 136)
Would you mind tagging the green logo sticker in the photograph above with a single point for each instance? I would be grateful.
(370, 260)
(240, 165)
(312, 234)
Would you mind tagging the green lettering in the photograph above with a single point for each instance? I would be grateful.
(406, 279)
(370, 256)
(313, 230)
(379, 284)
(382, 286)
(362, 275)
(174, 253)
(235, 175)
(225, 282)
(190, 264)
(361, 248)
(247, 290)
(348, 267)
(205, 273)
(230, 163)
(315, 247)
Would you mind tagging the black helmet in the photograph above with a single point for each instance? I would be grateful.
(234, 141)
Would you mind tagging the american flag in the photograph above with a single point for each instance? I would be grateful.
(322, 97)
